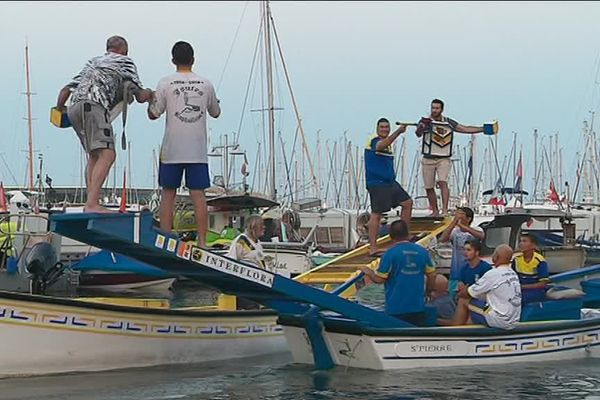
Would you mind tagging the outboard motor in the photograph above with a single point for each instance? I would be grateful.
(42, 263)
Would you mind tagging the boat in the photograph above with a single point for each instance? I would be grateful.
(43, 335)
(106, 270)
(324, 329)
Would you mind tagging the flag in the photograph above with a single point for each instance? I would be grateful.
(554, 197)
(519, 181)
(123, 205)
(497, 199)
(470, 169)
(3, 206)
(244, 170)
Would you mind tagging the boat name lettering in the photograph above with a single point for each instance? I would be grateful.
(222, 264)
(430, 348)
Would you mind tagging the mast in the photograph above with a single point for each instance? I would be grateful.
(535, 164)
(270, 106)
(29, 118)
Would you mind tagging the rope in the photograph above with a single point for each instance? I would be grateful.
(231, 47)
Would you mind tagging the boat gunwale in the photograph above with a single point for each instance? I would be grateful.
(62, 301)
(334, 325)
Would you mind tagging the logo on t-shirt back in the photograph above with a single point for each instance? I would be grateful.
(189, 109)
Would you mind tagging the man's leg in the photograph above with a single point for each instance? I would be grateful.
(91, 163)
(167, 207)
(445, 196)
(406, 213)
(461, 315)
(431, 197)
(201, 213)
(443, 171)
(428, 169)
(101, 168)
(373, 225)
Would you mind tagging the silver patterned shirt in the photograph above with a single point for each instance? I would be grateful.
(101, 80)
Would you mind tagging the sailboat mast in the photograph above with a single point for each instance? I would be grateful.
(29, 118)
(270, 106)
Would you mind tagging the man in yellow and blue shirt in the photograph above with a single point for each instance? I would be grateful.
(385, 193)
(403, 269)
(532, 269)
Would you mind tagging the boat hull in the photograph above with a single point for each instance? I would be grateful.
(447, 347)
(39, 335)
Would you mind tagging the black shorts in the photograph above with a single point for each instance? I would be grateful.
(386, 197)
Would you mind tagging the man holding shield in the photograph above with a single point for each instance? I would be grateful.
(437, 133)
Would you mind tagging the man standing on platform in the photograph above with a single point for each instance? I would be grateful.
(437, 132)
(384, 191)
(186, 98)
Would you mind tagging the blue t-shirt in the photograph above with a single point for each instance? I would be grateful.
(404, 267)
(379, 165)
(458, 239)
(469, 275)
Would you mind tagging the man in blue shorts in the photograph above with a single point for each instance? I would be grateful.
(384, 191)
(186, 98)
(403, 269)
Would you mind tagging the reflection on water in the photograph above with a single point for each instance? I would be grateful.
(275, 378)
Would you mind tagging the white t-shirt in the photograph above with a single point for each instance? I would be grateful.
(501, 289)
(245, 249)
(186, 98)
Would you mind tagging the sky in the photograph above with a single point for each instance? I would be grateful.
(530, 65)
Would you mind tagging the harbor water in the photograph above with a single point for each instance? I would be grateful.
(276, 378)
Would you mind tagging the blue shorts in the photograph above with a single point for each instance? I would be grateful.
(196, 176)
(477, 309)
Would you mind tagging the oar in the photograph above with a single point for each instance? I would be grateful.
(339, 290)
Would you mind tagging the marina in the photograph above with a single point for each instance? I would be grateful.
(291, 200)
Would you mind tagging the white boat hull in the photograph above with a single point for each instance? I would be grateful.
(41, 338)
(389, 352)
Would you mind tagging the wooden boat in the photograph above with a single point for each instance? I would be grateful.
(41, 335)
(324, 329)
(350, 343)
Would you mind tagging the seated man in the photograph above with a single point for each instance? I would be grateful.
(441, 300)
(475, 267)
(532, 269)
(403, 268)
(246, 246)
(495, 299)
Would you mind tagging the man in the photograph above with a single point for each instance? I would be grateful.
(403, 269)
(475, 267)
(186, 98)
(384, 191)
(442, 301)
(495, 299)
(532, 269)
(458, 233)
(437, 132)
(95, 93)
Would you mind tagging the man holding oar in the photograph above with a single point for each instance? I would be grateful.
(384, 191)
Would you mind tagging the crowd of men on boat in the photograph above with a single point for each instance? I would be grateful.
(476, 292)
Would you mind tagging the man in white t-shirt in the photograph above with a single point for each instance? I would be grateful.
(458, 233)
(186, 98)
(495, 299)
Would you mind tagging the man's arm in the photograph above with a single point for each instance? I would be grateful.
(143, 95)
(384, 143)
(158, 104)
(373, 276)
(63, 96)
(430, 283)
(445, 237)
(468, 129)
(472, 231)
(543, 277)
(214, 108)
